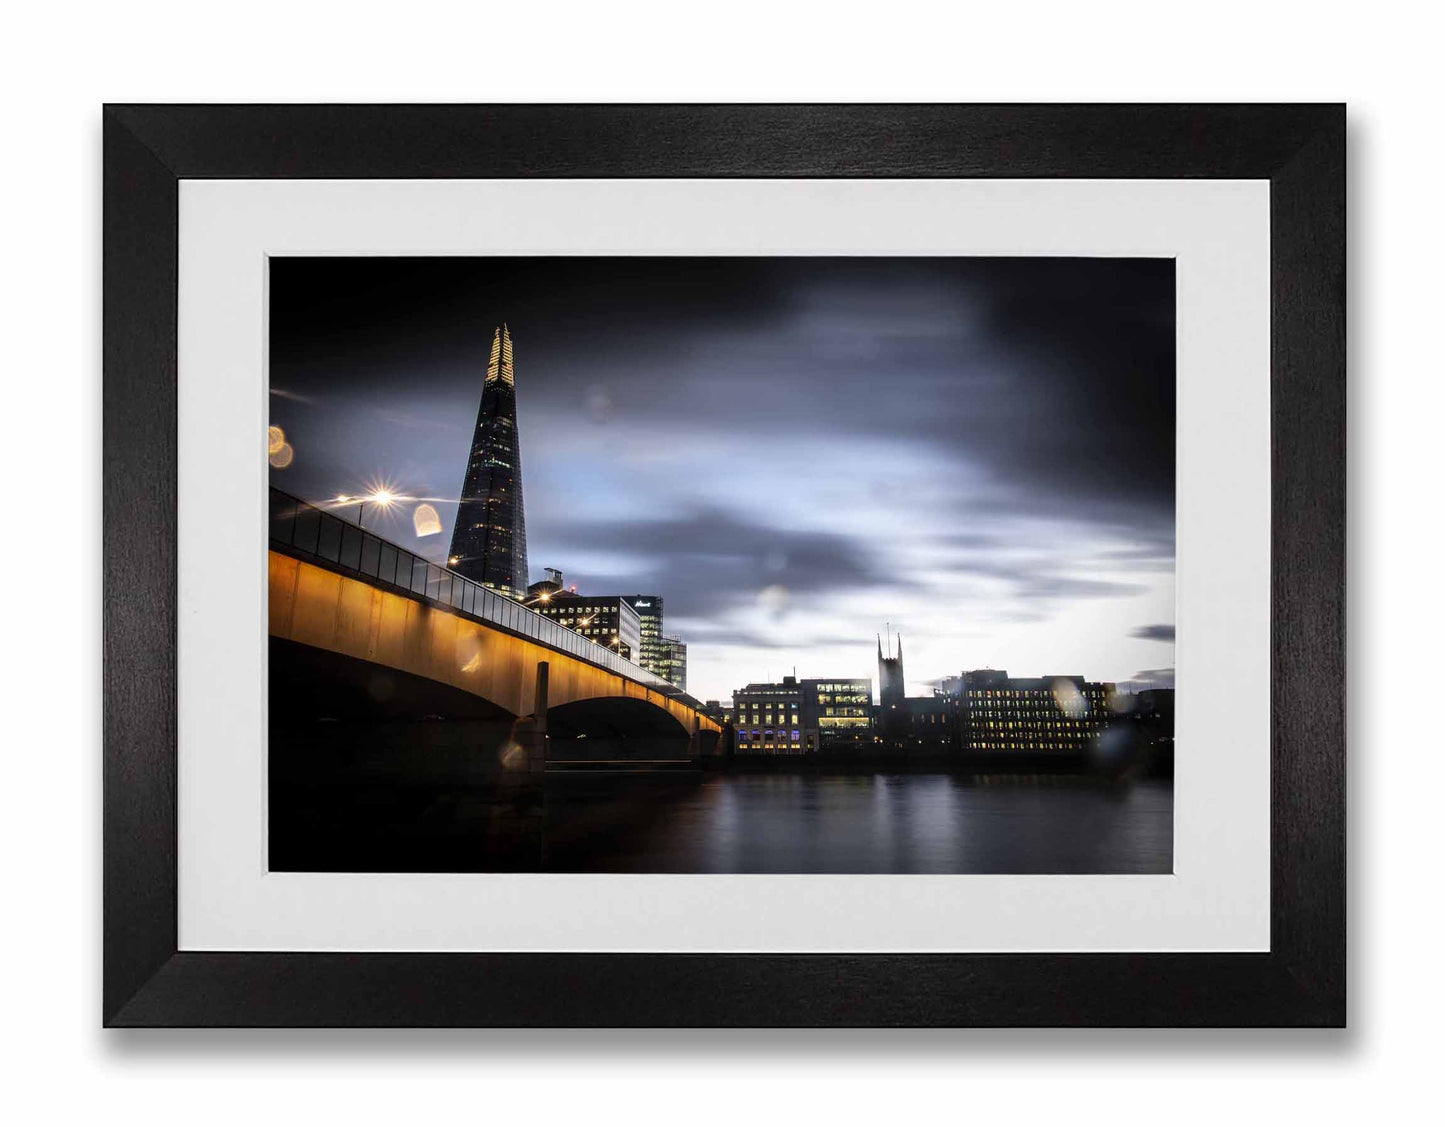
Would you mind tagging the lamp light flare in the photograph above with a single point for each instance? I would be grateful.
(275, 439)
(282, 457)
(424, 520)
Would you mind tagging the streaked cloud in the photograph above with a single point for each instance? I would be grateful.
(790, 451)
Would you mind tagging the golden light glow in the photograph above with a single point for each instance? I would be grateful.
(275, 439)
(382, 497)
(469, 655)
(342, 498)
(499, 365)
(425, 520)
(282, 457)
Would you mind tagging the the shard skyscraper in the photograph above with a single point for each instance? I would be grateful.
(489, 540)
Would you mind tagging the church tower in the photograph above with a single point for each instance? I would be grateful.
(893, 720)
(890, 675)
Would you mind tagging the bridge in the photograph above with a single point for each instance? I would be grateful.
(387, 658)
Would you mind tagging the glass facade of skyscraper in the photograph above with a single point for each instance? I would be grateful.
(489, 539)
(676, 659)
(654, 653)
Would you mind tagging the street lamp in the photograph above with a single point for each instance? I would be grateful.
(382, 497)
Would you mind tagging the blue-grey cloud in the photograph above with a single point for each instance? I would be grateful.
(707, 561)
(1157, 632)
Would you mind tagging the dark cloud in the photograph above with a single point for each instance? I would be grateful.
(1148, 679)
(1071, 587)
(1043, 577)
(709, 561)
(1054, 375)
(1158, 632)
(770, 640)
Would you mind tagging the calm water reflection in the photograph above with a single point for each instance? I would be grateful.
(903, 823)
(764, 823)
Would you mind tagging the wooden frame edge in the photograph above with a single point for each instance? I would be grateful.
(149, 982)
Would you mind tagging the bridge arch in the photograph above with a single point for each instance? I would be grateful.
(397, 656)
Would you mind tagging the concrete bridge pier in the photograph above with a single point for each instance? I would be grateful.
(694, 743)
(528, 754)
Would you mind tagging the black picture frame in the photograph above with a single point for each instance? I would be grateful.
(1299, 149)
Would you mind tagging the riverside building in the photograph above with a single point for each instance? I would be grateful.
(836, 710)
(1048, 715)
(793, 717)
(768, 717)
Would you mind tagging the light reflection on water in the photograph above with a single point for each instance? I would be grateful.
(903, 823)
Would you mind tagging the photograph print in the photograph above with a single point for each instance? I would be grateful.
(849, 565)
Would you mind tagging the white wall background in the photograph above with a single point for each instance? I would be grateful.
(63, 60)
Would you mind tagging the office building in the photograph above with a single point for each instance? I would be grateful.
(768, 717)
(674, 664)
(792, 717)
(489, 539)
(608, 620)
(837, 710)
(1050, 715)
(655, 654)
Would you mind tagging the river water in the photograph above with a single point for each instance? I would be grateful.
(741, 823)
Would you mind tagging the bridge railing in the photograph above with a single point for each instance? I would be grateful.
(305, 531)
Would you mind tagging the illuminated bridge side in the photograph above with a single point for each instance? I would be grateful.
(338, 590)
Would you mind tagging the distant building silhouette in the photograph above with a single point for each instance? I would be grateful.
(549, 586)
(893, 723)
(489, 539)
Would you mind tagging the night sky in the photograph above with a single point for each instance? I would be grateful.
(791, 451)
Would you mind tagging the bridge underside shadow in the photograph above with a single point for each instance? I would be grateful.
(378, 770)
(616, 733)
(340, 719)
(334, 718)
